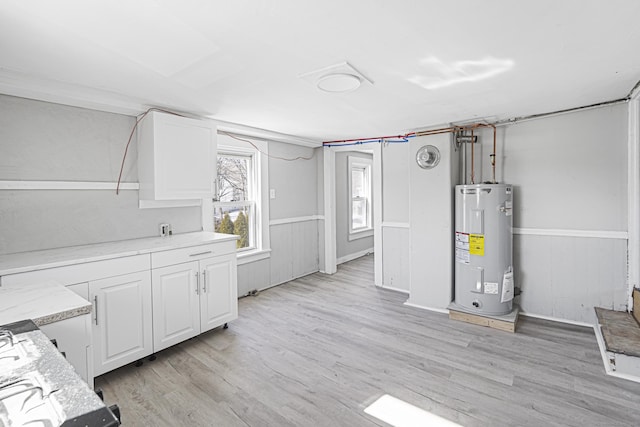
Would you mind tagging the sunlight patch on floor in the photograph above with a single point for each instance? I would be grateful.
(399, 413)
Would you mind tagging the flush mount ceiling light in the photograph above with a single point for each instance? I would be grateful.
(339, 82)
(338, 78)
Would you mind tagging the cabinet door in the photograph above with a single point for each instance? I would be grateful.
(121, 321)
(219, 297)
(185, 151)
(176, 304)
(73, 336)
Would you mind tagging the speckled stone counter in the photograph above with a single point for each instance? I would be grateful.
(44, 303)
(39, 260)
(37, 365)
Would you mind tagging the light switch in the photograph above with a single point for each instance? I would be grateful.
(272, 193)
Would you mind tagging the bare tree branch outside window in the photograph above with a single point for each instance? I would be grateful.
(232, 179)
(233, 208)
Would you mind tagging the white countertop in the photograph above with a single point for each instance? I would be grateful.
(44, 303)
(59, 257)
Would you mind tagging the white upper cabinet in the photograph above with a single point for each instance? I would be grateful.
(176, 157)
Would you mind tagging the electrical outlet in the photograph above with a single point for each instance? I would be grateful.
(272, 193)
(165, 230)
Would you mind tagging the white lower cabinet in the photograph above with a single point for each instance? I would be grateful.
(141, 303)
(73, 337)
(219, 299)
(193, 297)
(176, 304)
(122, 329)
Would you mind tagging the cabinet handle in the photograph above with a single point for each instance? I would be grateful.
(197, 283)
(95, 305)
(201, 253)
(204, 281)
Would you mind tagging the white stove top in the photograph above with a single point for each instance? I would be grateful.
(28, 401)
(37, 385)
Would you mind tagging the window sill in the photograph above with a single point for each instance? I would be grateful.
(252, 256)
(360, 234)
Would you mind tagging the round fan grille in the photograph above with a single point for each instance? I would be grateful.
(428, 157)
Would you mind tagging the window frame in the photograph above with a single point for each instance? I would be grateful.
(228, 145)
(252, 183)
(365, 164)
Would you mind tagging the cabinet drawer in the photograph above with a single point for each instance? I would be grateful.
(82, 272)
(192, 253)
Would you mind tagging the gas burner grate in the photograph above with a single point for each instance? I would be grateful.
(7, 339)
(11, 349)
(27, 402)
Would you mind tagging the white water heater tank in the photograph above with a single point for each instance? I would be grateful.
(483, 248)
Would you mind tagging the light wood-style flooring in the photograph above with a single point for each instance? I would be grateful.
(318, 350)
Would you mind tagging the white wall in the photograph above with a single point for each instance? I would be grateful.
(295, 181)
(51, 142)
(569, 174)
(291, 217)
(254, 275)
(320, 205)
(293, 220)
(347, 249)
(431, 225)
(395, 184)
(395, 217)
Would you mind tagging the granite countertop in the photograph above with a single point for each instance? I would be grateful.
(41, 364)
(59, 257)
(44, 303)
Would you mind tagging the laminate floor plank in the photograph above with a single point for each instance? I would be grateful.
(318, 350)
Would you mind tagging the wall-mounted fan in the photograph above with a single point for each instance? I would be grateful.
(428, 157)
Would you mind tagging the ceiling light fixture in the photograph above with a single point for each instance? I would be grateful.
(338, 82)
(338, 78)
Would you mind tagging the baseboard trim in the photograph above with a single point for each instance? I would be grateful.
(282, 283)
(536, 316)
(353, 256)
(437, 310)
(557, 319)
(391, 288)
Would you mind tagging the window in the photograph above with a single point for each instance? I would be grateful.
(242, 179)
(234, 208)
(360, 215)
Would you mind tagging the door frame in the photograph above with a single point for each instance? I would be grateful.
(329, 266)
(633, 197)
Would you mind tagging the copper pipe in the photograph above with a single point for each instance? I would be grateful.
(452, 129)
(472, 156)
(368, 139)
(493, 158)
(406, 135)
(434, 131)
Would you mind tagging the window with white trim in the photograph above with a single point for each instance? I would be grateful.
(360, 206)
(235, 204)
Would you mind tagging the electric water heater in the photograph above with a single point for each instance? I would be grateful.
(483, 248)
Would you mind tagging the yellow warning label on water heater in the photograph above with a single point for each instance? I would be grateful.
(476, 244)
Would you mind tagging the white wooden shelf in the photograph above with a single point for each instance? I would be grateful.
(66, 185)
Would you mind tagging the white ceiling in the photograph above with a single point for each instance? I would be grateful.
(431, 62)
